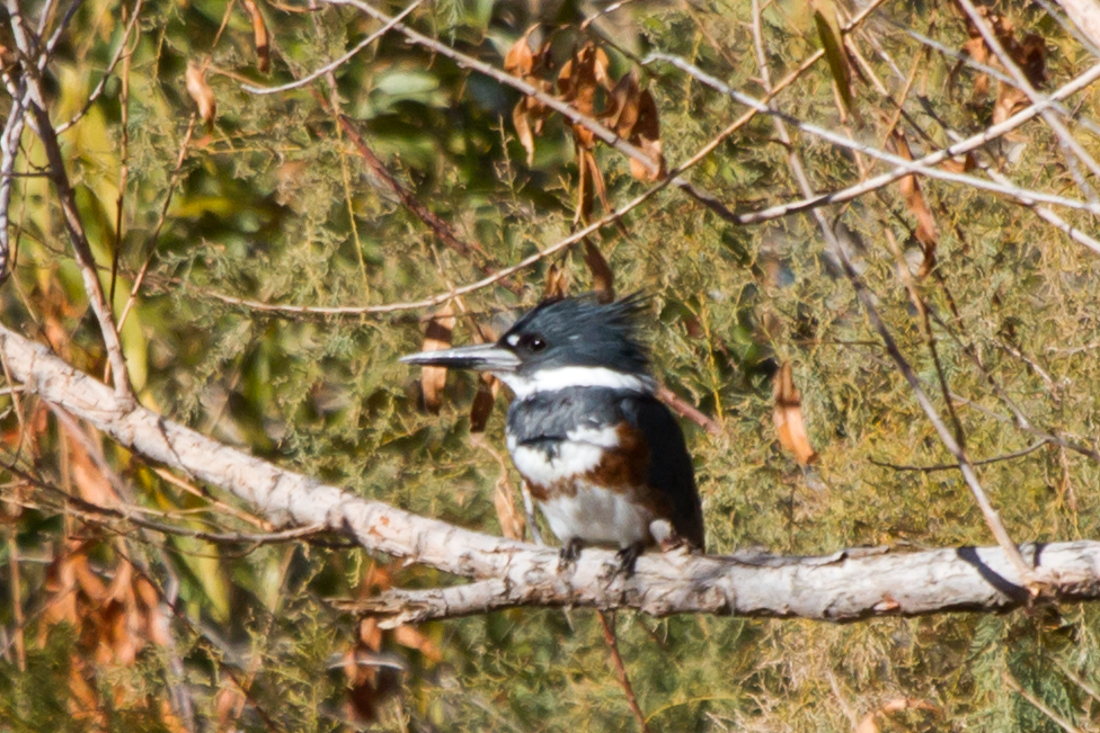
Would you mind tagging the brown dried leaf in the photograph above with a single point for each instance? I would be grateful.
(788, 417)
(411, 637)
(584, 187)
(520, 61)
(1009, 101)
(487, 388)
(580, 78)
(259, 36)
(914, 200)
(90, 482)
(623, 105)
(1031, 56)
(646, 135)
(523, 130)
(369, 684)
(201, 92)
(437, 336)
(599, 185)
(603, 279)
(557, 283)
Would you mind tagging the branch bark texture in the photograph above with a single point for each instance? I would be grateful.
(845, 586)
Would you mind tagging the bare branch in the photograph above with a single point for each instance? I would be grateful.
(846, 586)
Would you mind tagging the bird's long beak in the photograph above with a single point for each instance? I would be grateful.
(482, 358)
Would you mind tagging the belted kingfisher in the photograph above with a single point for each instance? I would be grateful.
(604, 458)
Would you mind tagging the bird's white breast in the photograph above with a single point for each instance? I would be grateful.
(576, 508)
(597, 515)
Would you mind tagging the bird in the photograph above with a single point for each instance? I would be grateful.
(603, 457)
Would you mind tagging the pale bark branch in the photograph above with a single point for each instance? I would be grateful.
(29, 48)
(845, 586)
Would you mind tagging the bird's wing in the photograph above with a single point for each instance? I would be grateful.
(670, 469)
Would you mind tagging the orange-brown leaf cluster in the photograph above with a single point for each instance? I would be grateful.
(374, 666)
(1029, 54)
(585, 83)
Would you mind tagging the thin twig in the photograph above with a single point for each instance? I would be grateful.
(903, 166)
(118, 54)
(333, 65)
(955, 466)
(607, 620)
(461, 290)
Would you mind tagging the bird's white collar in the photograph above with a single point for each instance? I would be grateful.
(552, 380)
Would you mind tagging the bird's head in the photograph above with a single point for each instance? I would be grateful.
(561, 342)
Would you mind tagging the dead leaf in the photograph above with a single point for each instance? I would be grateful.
(578, 82)
(583, 210)
(918, 207)
(259, 36)
(622, 105)
(557, 283)
(437, 336)
(520, 60)
(523, 130)
(411, 637)
(788, 417)
(646, 135)
(603, 279)
(1031, 56)
(201, 92)
(487, 388)
(529, 113)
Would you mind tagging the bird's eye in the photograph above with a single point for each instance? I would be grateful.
(534, 342)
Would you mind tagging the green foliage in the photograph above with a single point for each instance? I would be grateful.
(275, 204)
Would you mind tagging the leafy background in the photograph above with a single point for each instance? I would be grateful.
(108, 625)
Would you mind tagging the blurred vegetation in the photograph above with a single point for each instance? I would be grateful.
(109, 626)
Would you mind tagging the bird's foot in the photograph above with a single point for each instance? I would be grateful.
(628, 556)
(570, 552)
(674, 542)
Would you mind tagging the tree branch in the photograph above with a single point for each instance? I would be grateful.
(845, 586)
